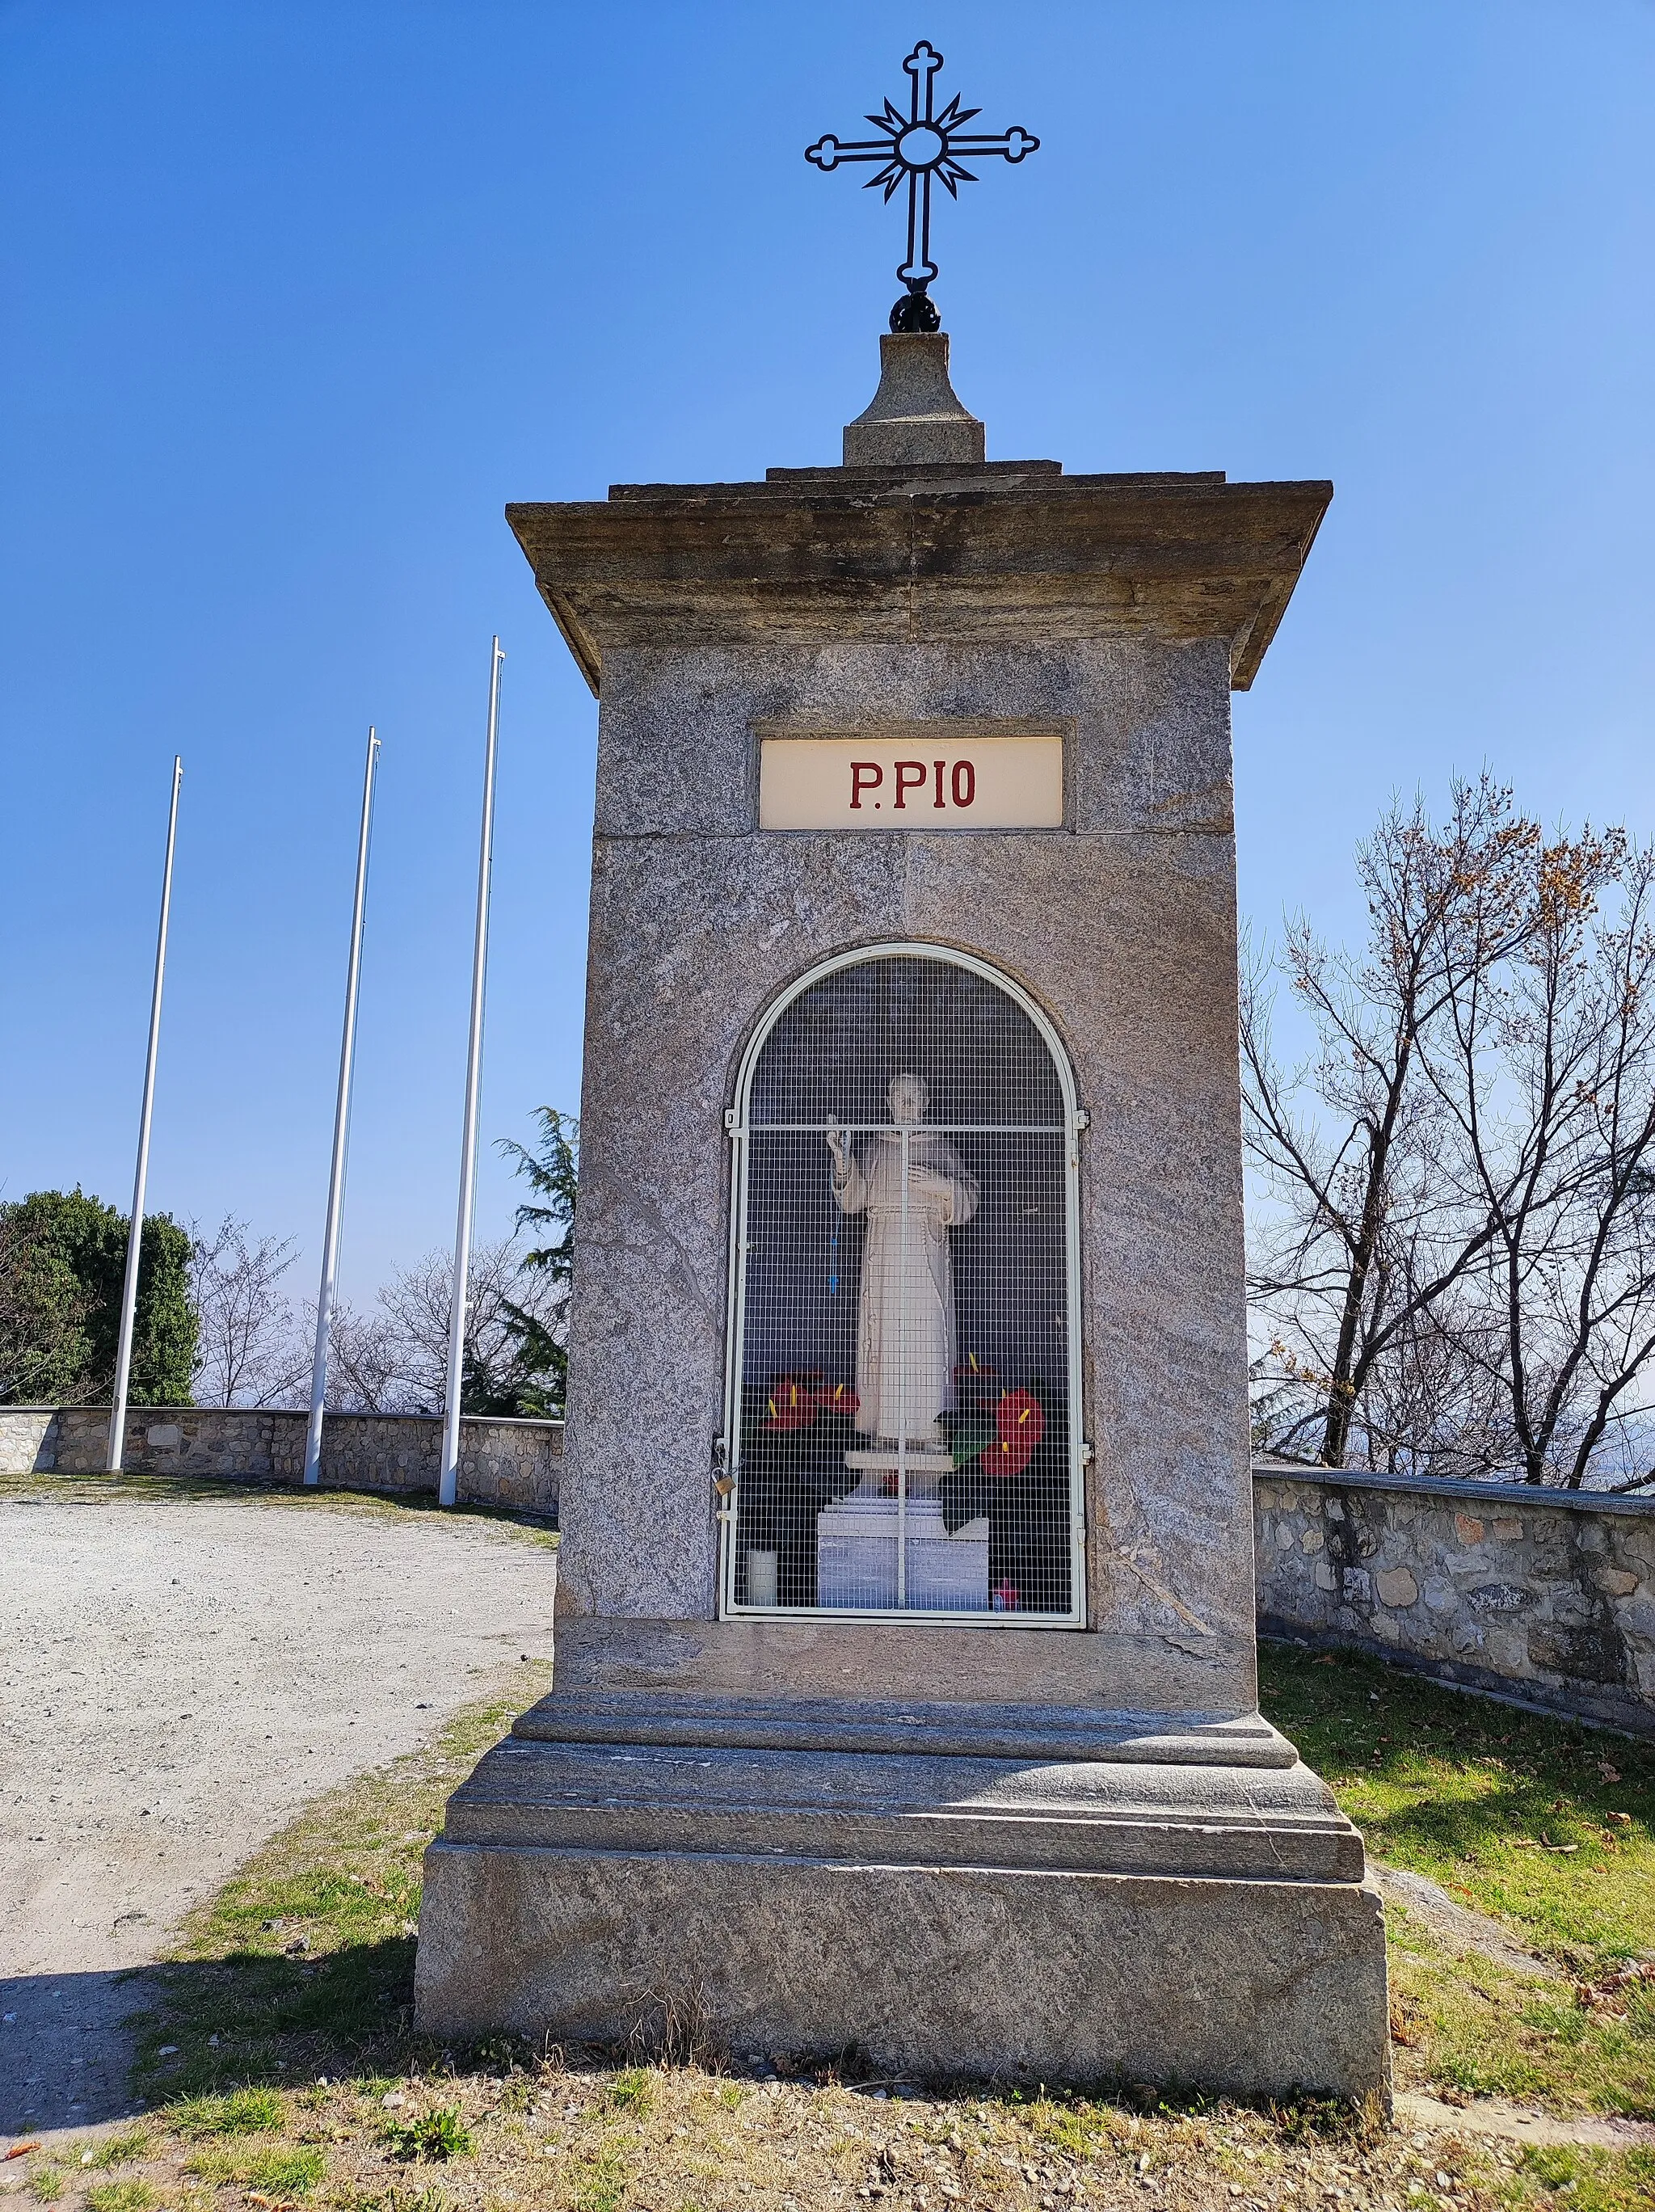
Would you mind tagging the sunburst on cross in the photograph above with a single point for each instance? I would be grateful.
(919, 146)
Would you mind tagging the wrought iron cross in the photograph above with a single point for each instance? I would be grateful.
(921, 145)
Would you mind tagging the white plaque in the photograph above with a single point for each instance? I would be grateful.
(925, 778)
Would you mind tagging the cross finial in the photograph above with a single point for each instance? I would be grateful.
(919, 146)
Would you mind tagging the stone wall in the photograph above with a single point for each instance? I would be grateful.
(1543, 1594)
(502, 1462)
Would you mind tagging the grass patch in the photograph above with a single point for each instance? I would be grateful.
(600, 2182)
(304, 1960)
(1545, 1827)
(552, 2131)
(277, 2169)
(242, 2112)
(47, 2183)
(1590, 2180)
(395, 2199)
(121, 2196)
(629, 2092)
(123, 2149)
(1550, 1824)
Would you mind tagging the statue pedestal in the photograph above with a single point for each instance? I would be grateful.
(857, 1557)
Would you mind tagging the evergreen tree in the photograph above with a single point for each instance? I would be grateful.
(63, 1258)
(540, 1363)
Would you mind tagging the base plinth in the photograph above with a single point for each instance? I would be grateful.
(944, 1916)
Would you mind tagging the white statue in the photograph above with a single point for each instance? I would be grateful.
(905, 1335)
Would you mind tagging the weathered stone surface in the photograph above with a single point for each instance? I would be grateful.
(1124, 929)
(1395, 1587)
(1262, 1986)
(1010, 554)
(28, 1438)
(1581, 1652)
(1565, 1619)
(1615, 1581)
(915, 414)
(1044, 1671)
(1000, 1711)
(1065, 1853)
(909, 1804)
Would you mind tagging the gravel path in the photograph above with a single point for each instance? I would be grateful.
(178, 1675)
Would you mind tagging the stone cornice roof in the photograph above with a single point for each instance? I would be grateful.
(1012, 552)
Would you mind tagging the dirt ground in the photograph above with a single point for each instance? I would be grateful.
(178, 1675)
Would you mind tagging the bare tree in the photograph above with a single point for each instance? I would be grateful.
(1547, 1067)
(1458, 1270)
(394, 1360)
(364, 1361)
(1365, 1241)
(247, 1351)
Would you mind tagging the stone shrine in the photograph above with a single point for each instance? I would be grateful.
(905, 1697)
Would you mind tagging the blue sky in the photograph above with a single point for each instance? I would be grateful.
(298, 296)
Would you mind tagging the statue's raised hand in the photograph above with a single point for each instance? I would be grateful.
(838, 1144)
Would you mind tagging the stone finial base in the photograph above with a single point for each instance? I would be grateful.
(914, 415)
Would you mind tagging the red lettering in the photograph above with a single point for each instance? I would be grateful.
(910, 776)
(965, 782)
(939, 801)
(865, 775)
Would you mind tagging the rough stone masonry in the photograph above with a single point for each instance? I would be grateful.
(1546, 1595)
(1062, 1853)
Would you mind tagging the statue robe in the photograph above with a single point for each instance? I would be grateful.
(905, 1338)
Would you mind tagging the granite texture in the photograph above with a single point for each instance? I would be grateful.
(1264, 1987)
(1122, 926)
(886, 1668)
(915, 414)
(911, 1806)
(1058, 1855)
(1010, 553)
(1545, 1596)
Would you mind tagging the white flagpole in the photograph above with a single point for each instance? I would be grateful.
(341, 1130)
(448, 1480)
(134, 1233)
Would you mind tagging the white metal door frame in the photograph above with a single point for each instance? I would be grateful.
(740, 1129)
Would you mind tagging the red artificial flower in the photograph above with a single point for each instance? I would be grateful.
(1019, 1424)
(1007, 1597)
(792, 1404)
(840, 1399)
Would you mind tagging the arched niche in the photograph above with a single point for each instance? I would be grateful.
(870, 1474)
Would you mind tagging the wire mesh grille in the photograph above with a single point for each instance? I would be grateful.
(904, 1304)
